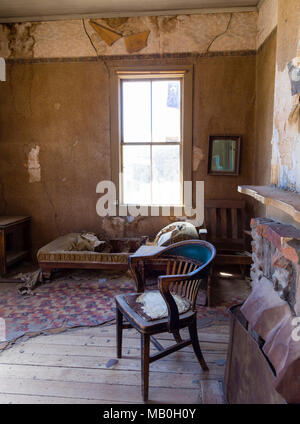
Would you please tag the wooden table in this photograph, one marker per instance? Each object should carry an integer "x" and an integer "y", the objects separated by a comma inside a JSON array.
[
  {"x": 15, "y": 240},
  {"x": 147, "y": 250}
]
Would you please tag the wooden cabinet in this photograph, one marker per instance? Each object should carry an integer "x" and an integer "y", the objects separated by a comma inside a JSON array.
[
  {"x": 249, "y": 376},
  {"x": 15, "y": 240}
]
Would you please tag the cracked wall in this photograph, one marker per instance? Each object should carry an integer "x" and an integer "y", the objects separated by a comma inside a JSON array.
[
  {"x": 57, "y": 107},
  {"x": 174, "y": 34},
  {"x": 17, "y": 40},
  {"x": 55, "y": 123},
  {"x": 277, "y": 135},
  {"x": 286, "y": 140},
  {"x": 63, "y": 107}
]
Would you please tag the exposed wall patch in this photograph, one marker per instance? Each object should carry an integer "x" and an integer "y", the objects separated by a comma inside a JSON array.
[
  {"x": 33, "y": 165},
  {"x": 197, "y": 157},
  {"x": 136, "y": 42},
  {"x": 168, "y": 35},
  {"x": 21, "y": 40},
  {"x": 107, "y": 35}
]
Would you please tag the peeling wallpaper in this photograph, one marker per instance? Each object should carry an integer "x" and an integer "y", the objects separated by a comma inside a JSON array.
[
  {"x": 55, "y": 127},
  {"x": 55, "y": 139},
  {"x": 48, "y": 108},
  {"x": 278, "y": 136},
  {"x": 286, "y": 135},
  {"x": 176, "y": 34}
]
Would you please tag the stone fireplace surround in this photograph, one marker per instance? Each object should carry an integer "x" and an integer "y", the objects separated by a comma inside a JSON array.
[
  {"x": 276, "y": 256},
  {"x": 274, "y": 303}
]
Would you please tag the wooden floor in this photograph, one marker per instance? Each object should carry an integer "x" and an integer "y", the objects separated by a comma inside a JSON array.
[{"x": 74, "y": 367}]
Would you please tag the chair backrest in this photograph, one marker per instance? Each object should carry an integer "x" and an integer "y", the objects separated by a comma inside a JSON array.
[
  {"x": 185, "y": 288},
  {"x": 191, "y": 259},
  {"x": 225, "y": 221}
]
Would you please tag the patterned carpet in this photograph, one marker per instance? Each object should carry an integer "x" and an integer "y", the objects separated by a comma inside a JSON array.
[{"x": 78, "y": 299}]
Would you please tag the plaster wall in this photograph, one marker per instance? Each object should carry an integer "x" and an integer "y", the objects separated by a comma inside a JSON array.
[
  {"x": 286, "y": 137},
  {"x": 277, "y": 128},
  {"x": 174, "y": 34},
  {"x": 266, "y": 20},
  {"x": 55, "y": 111},
  {"x": 264, "y": 110},
  {"x": 54, "y": 121}
]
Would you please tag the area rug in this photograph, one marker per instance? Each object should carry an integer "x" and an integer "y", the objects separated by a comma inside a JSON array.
[
  {"x": 82, "y": 299},
  {"x": 78, "y": 299}
]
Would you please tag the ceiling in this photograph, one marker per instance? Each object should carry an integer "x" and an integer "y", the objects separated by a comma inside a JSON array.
[{"x": 30, "y": 10}]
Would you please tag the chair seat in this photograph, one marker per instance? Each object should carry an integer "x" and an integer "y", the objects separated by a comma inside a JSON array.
[
  {"x": 151, "y": 305},
  {"x": 140, "y": 322}
]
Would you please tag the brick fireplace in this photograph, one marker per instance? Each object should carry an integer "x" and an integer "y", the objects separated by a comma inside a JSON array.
[
  {"x": 264, "y": 353},
  {"x": 276, "y": 257},
  {"x": 272, "y": 308}
]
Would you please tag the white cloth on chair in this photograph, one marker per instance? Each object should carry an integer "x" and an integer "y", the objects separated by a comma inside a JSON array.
[{"x": 155, "y": 307}]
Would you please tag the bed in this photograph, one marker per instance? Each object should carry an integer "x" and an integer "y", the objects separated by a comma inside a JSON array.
[{"x": 58, "y": 254}]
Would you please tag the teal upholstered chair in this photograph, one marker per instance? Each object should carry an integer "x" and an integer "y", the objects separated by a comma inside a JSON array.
[{"x": 173, "y": 306}]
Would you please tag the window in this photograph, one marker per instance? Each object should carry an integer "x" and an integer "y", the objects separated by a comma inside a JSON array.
[{"x": 151, "y": 135}]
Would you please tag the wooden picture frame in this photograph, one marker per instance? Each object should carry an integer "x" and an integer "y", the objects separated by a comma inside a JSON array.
[{"x": 224, "y": 155}]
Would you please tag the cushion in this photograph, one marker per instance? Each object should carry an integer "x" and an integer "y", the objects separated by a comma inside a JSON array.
[
  {"x": 175, "y": 232},
  {"x": 86, "y": 241},
  {"x": 151, "y": 305}
]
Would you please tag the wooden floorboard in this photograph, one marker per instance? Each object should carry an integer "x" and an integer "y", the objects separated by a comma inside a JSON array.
[
  {"x": 157, "y": 379},
  {"x": 110, "y": 340},
  {"x": 73, "y": 367},
  {"x": 94, "y": 391},
  {"x": 110, "y": 352},
  {"x": 29, "y": 399},
  {"x": 129, "y": 345},
  {"x": 132, "y": 364}
]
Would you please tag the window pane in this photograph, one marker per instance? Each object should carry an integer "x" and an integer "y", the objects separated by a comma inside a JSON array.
[
  {"x": 166, "y": 111},
  {"x": 136, "y": 175},
  {"x": 136, "y": 99},
  {"x": 166, "y": 187}
]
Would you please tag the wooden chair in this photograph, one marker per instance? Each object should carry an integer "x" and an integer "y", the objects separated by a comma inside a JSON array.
[
  {"x": 187, "y": 264},
  {"x": 226, "y": 224}
]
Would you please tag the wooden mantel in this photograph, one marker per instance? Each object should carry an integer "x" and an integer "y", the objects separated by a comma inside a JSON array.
[{"x": 286, "y": 201}]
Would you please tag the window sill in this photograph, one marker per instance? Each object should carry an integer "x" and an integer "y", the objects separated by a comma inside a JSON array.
[
  {"x": 159, "y": 209},
  {"x": 151, "y": 206}
]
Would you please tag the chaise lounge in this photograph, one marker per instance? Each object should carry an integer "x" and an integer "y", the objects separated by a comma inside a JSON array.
[{"x": 59, "y": 254}]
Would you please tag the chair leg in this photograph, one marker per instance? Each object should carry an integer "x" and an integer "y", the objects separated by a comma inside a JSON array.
[
  {"x": 177, "y": 336},
  {"x": 119, "y": 328},
  {"x": 145, "y": 348},
  {"x": 196, "y": 345}
]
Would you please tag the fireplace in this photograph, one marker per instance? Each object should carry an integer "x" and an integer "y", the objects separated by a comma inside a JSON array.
[
  {"x": 276, "y": 257},
  {"x": 264, "y": 349}
]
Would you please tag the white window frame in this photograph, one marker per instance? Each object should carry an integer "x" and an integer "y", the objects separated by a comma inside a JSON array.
[{"x": 182, "y": 72}]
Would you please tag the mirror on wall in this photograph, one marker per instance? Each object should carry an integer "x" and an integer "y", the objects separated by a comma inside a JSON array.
[{"x": 224, "y": 155}]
